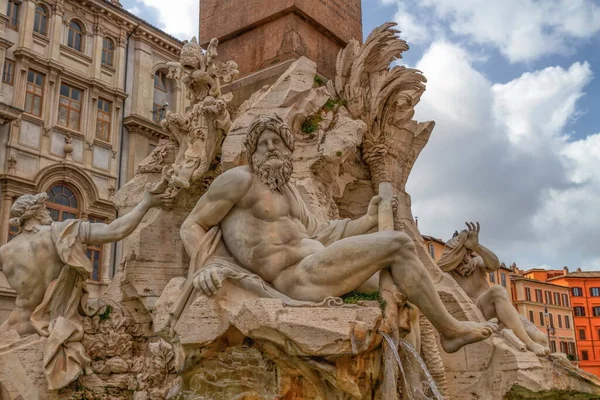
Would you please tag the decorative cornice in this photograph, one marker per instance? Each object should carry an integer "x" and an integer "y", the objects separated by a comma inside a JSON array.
[
  {"x": 9, "y": 113},
  {"x": 128, "y": 21},
  {"x": 139, "y": 125},
  {"x": 5, "y": 43}
]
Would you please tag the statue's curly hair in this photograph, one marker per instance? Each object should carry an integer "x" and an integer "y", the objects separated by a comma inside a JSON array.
[
  {"x": 26, "y": 207},
  {"x": 267, "y": 122}
]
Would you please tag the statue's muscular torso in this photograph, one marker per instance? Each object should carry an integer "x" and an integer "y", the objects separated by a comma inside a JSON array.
[
  {"x": 263, "y": 229},
  {"x": 30, "y": 263}
]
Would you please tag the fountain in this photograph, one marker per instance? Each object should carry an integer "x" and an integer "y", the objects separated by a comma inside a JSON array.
[{"x": 189, "y": 316}]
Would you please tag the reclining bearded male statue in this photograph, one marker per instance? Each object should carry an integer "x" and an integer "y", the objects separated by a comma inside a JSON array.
[
  {"x": 469, "y": 263},
  {"x": 252, "y": 226},
  {"x": 47, "y": 267}
]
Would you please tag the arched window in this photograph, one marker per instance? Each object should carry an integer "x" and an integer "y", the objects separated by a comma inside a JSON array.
[
  {"x": 75, "y": 39},
  {"x": 160, "y": 80},
  {"x": 108, "y": 51},
  {"x": 62, "y": 203},
  {"x": 40, "y": 25},
  {"x": 163, "y": 95}
]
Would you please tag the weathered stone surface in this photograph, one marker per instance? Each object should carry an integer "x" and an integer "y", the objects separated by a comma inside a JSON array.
[
  {"x": 21, "y": 368},
  {"x": 258, "y": 37},
  {"x": 313, "y": 331}
]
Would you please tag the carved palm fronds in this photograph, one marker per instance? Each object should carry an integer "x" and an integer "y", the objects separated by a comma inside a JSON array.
[{"x": 382, "y": 95}]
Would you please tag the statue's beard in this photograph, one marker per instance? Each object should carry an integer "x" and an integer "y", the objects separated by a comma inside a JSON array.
[{"x": 274, "y": 172}]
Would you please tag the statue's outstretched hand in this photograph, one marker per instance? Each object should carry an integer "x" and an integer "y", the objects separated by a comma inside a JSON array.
[
  {"x": 210, "y": 279},
  {"x": 472, "y": 235},
  {"x": 161, "y": 198}
]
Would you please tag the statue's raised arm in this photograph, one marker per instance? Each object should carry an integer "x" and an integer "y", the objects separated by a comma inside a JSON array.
[{"x": 46, "y": 266}]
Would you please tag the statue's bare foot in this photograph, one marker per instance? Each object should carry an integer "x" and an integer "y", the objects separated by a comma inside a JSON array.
[
  {"x": 468, "y": 332},
  {"x": 538, "y": 349}
]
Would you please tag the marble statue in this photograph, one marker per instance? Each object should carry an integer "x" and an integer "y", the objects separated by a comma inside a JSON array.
[
  {"x": 469, "y": 262},
  {"x": 267, "y": 228},
  {"x": 45, "y": 263},
  {"x": 199, "y": 131}
]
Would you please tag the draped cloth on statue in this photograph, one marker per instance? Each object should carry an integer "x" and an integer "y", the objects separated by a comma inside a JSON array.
[
  {"x": 455, "y": 253},
  {"x": 211, "y": 251},
  {"x": 59, "y": 316}
]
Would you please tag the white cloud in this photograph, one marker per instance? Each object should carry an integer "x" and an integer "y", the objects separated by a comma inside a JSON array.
[
  {"x": 499, "y": 155},
  {"x": 536, "y": 106},
  {"x": 176, "y": 17},
  {"x": 412, "y": 31},
  {"x": 523, "y": 30}
]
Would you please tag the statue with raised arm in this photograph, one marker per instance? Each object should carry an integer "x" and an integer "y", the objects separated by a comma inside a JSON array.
[
  {"x": 469, "y": 263},
  {"x": 45, "y": 263},
  {"x": 252, "y": 226}
]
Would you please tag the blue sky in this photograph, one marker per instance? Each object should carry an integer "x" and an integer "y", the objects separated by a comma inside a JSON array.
[{"x": 513, "y": 87}]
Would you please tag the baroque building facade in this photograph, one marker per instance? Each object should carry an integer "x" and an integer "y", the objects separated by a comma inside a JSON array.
[{"x": 83, "y": 88}]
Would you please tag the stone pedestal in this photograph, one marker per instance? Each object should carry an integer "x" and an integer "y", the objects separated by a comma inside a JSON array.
[{"x": 263, "y": 37}]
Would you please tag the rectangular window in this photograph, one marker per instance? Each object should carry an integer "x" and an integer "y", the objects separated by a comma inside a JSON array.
[
  {"x": 551, "y": 320},
  {"x": 94, "y": 253},
  {"x": 579, "y": 311},
  {"x": 103, "y": 120},
  {"x": 584, "y": 355},
  {"x": 581, "y": 334},
  {"x": 557, "y": 298},
  {"x": 553, "y": 346},
  {"x": 596, "y": 311},
  {"x": 34, "y": 93},
  {"x": 571, "y": 348},
  {"x": 542, "y": 319},
  {"x": 548, "y": 296},
  {"x": 538, "y": 296},
  {"x": 69, "y": 108},
  {"x": 567, "y": 322},
  {"x": 576, "y": 292},
  {"x": 531, "y": 316},
  {"x": 503, "y": 279},
  {"x": 13, "y": 14},
  {"x": 492, "y": 277},
  {"x": 563, "y": 347},
  {"x": 8, "y": 76},
  {"x": 595, "y": 292},
  {"x": 559, "y": 317},
  {"x": 565, "y": 300},
  {"x": 432, "y": 250},
  {"x": 527, "y": 294}
]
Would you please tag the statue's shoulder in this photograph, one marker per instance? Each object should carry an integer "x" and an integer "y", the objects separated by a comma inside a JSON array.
[
  {"x": 238, "y": 179},
  {"x": 24, "y": 241}
]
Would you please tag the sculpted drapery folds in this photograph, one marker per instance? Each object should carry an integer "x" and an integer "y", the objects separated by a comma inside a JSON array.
[
  {"x": 469, "y": 263},
  {"x": 46, "y": 265},
  {"x": 252, "y": 225}
]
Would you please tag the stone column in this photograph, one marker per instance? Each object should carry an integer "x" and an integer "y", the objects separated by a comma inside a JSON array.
[
  {"x": 56, "y": 36},
  {"x": 26, "y": 24},
  {"x": 121, "y": 61},
  {"x": 5, "y": 217},
  {"x": 97, "y": 50}
]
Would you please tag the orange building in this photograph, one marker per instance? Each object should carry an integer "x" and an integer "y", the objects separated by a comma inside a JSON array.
[
  {"x": 585, "y": 298},
  {"x": 435, "y": 247},
  {"x": 547, "y": 305}
]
